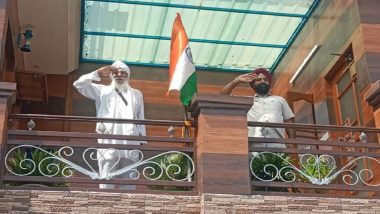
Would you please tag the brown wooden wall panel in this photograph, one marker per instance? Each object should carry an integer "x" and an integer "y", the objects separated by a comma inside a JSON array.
[
  {"x": 320, "y": 91},
  {"x": 334, "y": 37},
  {"x": 369, "y": 11},
  {"x": 377, "y": 118},
  {"x": 233, "y": 175},
  {"x": 330, "y": 23},
  {"x": 222, "y": 147},
  {"x": 83, "y": 107},
  {"x": 42, "y": 125},
  {"x": 56, "y": 105},
  {"x": 356, "y": 41},
  {"x": 14, "y": 22},
  {"x": 155, "y": 92},
  {"x": 371, "y": 39},
  {"x": 56, "y": 85},
  {"x": 213, "y": 139},
  {"x": 335, "y": 25},
  {"x": 367, "y": 109},
  {"x": 3, "y": 36},
  {"x": 373, "y": 60}
]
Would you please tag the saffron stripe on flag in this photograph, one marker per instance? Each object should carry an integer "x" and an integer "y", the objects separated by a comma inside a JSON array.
[{"x": 182, "y": 69}]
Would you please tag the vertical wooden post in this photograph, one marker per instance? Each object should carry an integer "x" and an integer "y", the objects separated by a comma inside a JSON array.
[
  {"x": 7, "y": 98},
  {"x": 3, "y": 34},
  {"x": 222, "y": 144},
  {"x": 372, "y": 96}
]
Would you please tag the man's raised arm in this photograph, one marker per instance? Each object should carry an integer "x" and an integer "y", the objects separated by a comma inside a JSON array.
[
  {"x": 245, "y": 78},
  {"x": 85, "y": 86}
]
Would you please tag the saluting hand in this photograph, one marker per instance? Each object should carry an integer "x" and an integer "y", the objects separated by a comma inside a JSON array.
[
  {"x": 104, "y": 71},
  {"x": 246, "y": 77}
]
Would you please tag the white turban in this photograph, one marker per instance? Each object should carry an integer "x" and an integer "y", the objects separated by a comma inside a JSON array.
[{"x": 121, "y": 65}]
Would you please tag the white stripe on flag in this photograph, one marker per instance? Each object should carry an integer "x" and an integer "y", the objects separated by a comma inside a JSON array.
[{"x": 183, "y": 70}]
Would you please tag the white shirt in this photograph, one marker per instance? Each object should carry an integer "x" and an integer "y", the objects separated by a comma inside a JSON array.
[
  {"x": 110, "y": 105},
  {"x": 269, "y": 108}
]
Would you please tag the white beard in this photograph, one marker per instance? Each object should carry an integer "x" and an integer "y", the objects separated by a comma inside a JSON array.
[{"x": 124, "y": 87}]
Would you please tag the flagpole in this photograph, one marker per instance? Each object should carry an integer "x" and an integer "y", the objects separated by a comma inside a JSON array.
[
  {"x": 182, "y": 76},
  {"x": 187, "y": 134},
  {"x": 186, "y": 117},
  {"x": 186, "y": 130}
]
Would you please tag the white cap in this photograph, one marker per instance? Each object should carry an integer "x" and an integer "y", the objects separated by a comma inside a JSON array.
[{"x": 123, "y": 66}]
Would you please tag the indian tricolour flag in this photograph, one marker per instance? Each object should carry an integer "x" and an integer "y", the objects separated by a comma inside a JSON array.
[{"x": 182, "y": 70}]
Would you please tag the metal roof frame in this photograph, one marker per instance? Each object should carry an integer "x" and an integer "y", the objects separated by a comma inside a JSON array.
[{"x": 284, "y": 47}]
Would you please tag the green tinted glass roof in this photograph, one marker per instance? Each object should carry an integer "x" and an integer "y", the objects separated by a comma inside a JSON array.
[{"x": 227, "y": 35}]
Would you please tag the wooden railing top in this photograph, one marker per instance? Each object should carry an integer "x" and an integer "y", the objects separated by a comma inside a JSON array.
[
  {"x": 301, "y": 126},
  {"x": 97, "y": 136},
  {"x": 96, "y": 119}
]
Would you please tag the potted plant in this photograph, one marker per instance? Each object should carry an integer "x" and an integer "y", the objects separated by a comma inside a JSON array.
[
  {"x": 173, "y": 167},
  {"x": 35, "y": 162},
  {"x": 271, "y": 167}
]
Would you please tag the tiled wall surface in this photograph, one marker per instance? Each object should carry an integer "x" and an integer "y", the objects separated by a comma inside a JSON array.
[{"x": 12, "y": 201}]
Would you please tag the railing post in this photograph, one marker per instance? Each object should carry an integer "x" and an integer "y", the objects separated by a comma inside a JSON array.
[
  {"x": 222, "y": 144},
  {"x": 7, "y": 98}
]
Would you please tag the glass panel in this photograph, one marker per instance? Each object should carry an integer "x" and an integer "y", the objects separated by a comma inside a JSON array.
[
  {"x": 344, "y": 81},
  {"x": 123, "y": 21},
  {"x": 128, "y": 49},
  {"x": 157, "y": 51},
  {"x": 202, "y": 24},
  {"x": 346, "y": 106}
]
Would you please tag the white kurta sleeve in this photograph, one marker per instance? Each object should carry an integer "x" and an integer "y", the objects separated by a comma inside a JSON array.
[
  {"x": 140, "y": 115},
  {"x": 85, "y": 86}
]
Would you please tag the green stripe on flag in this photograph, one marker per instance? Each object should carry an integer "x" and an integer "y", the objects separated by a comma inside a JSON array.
[{"x": 189, "y": 89}]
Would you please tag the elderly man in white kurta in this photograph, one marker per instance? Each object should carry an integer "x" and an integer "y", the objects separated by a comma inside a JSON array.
[
  {"x": 265, "y": 108},
  {"x": 120, "y": 101}
]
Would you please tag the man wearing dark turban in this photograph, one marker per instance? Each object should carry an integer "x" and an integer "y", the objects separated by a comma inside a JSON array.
[{"x": 266, "y": 107}]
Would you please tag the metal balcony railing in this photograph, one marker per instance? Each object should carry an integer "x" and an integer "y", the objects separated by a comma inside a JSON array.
[
  {"x": 330, "y": 161},
  {"x": 334, "y": 161},
  {"x": 67, "y": 160}
]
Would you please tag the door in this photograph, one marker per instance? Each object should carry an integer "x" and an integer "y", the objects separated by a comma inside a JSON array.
[{"x": 346, "y": 97}]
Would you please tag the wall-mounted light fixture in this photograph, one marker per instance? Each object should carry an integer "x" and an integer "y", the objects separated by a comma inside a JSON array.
[
  {"x": 304, "y": 63},
  {"x": 348, "y": 58},
  {"x": 23, "y": 41}
]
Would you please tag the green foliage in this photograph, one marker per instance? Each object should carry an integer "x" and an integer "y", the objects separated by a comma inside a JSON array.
[
  {"x": 320, "y": 171},
  {"x": 19, "y": 164},
  {"x": 271, "y": 163},
  {"x": 266, "y": 166},
  {"x": 171, "y": 164}
]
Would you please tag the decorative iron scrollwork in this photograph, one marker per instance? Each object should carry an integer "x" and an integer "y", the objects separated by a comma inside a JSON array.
[
  {"x": 316, "y": 169},
  {"x": 149, "y": 166}
]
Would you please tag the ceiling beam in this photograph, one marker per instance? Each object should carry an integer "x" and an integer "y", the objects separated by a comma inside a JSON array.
[
  {"x": 210, "y": 41},
  {"x": 165, "y": 65}
]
